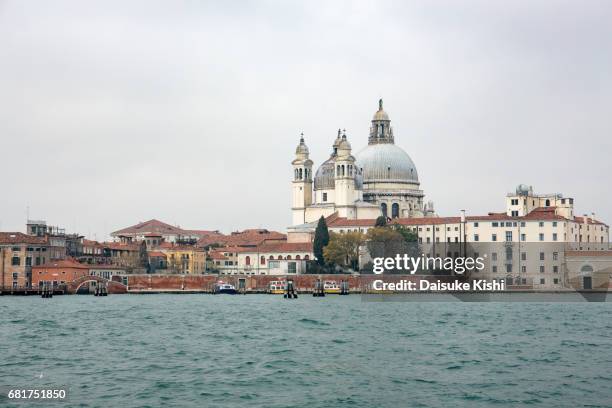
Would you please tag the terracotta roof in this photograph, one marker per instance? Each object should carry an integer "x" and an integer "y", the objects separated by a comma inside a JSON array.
[
  {"x": 589, "y": 221},
  {"x": 156, "y": 254},
  {"x": 249, "y": 237},
  {"x": 285, "y": 247},
  {"x": 203, "y": 233},
  {"x": 20, "y": 238},
  {"x": 342, "y": 222},
  {"x": 151, "y": 226},
  {"x": 87, "y": 242},
  {"x": 544, "y": 215},
  {"x": 121, "y": 246},
  {"x": 174, "y": 247},
  {"x": 216, "y": 255},
  {"x": 271, "y": 247},
  {"x": 63, "y": 263}
]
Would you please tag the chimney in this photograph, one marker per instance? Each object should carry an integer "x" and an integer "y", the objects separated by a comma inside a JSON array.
[
  {"x": 585, "y": 219},
  {"x": 593, "y": 217}
]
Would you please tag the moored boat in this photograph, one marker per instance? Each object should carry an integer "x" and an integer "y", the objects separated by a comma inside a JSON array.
[
  {"x": 331, "y": 287},
  {"x": 223, "y": 287},
  {"x": 278, "y": 287}
]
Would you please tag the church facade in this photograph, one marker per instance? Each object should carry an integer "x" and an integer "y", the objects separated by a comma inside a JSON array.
[{"x": 381, "y": 179}]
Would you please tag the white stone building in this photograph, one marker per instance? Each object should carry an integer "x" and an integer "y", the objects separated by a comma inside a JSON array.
[{"x": 527, "y": 249}]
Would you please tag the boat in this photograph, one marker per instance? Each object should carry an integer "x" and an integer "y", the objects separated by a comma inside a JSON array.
[
  {"x": 277, "y": 287},
  {"x": 222, "y": 287},
  {"x": 331, "y": 287}
]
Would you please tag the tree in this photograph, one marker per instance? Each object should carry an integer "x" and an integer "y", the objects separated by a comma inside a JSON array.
[
  {"x": 143, "y": 256},
  {"x": 321, "y": 239},
  {"x": 384, "y": 242},
  {"x": 343, "y": 249},
  {"x": 382, "y": 234},
  {"x": 408, "y": 235},
  {"x": 381, "y": 221}
]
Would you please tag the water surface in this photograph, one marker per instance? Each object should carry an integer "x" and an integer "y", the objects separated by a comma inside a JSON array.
[{"x": 265, "y": 351}]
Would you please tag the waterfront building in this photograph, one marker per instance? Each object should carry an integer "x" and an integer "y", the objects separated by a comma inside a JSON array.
[
  {"x": 381, "y": 179},
  {"x": 246, "y": 238},
  {"x": 589, "y": 269},
  {"x": 268, "y": 258},
  {"x": 525, "y": 245},
  {"x": 63, "y": 271},
  {"x": 18, "y": 254},
  {"x": 61, "y": 244},
  {"x": 92, "y": 252},
  {"x": 158, "y": 262},
  {"x": 157, "y": 230},
  {"x": 185, "y": 259},
  {"x": 122, "y": 254}
]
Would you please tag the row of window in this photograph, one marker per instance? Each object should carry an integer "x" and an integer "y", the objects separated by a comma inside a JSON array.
[
  {"x": 555, "y": 255},
  {"x": 541, "y": 237},
  {"x": 509, "y": 269},
  {"x": 16, "y": 261},
  {"x": 394, "y": 210},
  {"x": 262, "y": 260}
]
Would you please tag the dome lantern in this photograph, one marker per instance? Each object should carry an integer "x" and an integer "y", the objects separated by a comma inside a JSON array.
[{"x": 381, "y": 131}]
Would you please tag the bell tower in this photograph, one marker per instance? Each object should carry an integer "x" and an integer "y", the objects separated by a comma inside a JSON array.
[
  {"x": 302, "y": 182},
  {"x": 345, "y": 174}
]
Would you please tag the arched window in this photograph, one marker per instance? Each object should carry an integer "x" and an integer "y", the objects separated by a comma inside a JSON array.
[
  {"x": 548, "y": 203},
  {"x": 288, "y": 257},
  {"x": 271, "y": 257},
  {"x": 280, "y": 257},
  {"x": 297, "y": 257},
  {"x": 262, "y": 260},
  {"x": 306, "y": 257},
  {"x": 395, "y": 210},
  {"x": 383, "y": 208},
  {"x": 247, "y": 260},
  {"x": 296, "y": 174}
]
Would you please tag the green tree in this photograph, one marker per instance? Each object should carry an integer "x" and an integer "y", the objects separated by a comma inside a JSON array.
[
  {"x": 408, "y": 235},
  {"x": 343, "y": 249},
  {"x": 143, "y": 256},
  {"x": 382, "y": 234},
  {"x": 381, "y": 221},
  {"x": 321, "y": 239}
]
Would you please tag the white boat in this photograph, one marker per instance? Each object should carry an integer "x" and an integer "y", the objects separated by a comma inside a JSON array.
[
  {"x": 277, "y": 287},
  {"x": 331, "y": 287},
  {"x": 223, "y": 287}
]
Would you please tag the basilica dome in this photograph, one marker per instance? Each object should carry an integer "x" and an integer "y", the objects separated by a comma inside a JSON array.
[
  {"x": 386, "y": 162},
  {"x": 325, "y": 176}
]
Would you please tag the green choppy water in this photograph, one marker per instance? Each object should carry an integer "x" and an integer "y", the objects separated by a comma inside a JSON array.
[{"x": 265, "y": 351}]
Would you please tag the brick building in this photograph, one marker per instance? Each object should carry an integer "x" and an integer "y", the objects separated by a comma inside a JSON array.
[{"x": 18, "y": 254}]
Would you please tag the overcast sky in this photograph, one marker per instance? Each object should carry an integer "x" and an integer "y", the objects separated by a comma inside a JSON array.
[{"x": 113, "y": 113}]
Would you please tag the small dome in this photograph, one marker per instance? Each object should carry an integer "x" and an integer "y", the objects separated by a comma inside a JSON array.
[
  {"x": 380, "y": 113},
  {"x": 301, "y": 148},
  {"x": 386, "y": 162},
  {"x": 324, "y": 177},
  {"x": 344, "y": 144}
]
